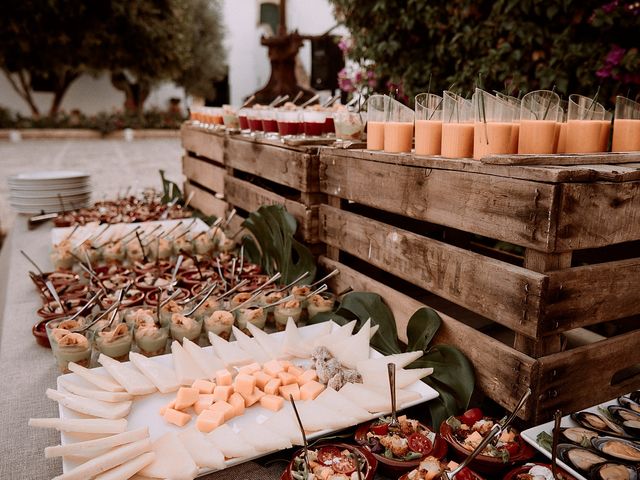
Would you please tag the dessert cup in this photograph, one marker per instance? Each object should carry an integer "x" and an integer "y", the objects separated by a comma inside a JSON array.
[
  {"x": 626, "y": 126},
  {"x": 428, "y": 124},
  {"x": 457, "y": 126},
  {"x": 540, "y": 113}
]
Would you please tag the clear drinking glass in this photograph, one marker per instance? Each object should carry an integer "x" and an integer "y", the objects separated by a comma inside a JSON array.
[
  {"x": 349, "y": 125},
  {"x": 314, "y": 121},
  {"x": 457, "y": 126},
  {"x": 493, "y": 122},
  {"x": 428, "y": 124},
  {"x": 398, "y": 129},
  {"x": 376, "y": 108},
  {"x": 584, "y": 124},
  {"x": 539, "y": 115},
  {"x": 626, "y": 126}
]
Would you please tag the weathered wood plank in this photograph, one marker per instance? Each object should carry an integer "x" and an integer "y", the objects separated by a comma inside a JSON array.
[
  {"x": 505, "y": 293},
  {"x": 203, "y": 143},
  {"x": 592, "y": 294},
  {"x": 597, "y": 214},
  {"x": 564, "y": 159},
  {"x": 501, "y": 372},
  {"x": 511, "y": 210},
  {"x": 206, "y": 174},
  {"x": 582, "y": 377},
  {"x": 205, "y": 201},
  {"x": 249, "y": 197},
  {"x": 285, "y": 166}
]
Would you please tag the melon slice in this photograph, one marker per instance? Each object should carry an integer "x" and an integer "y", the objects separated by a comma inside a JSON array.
[
  {"x": 353, "y": 349},
  {"x": 404, "y": 378},
  {"x": 129, "y": 468},
  {"x": 187, "y": 371},
  {"x": 230, "y": 353},
  {"x": 269, "y": 343},
  {"x": 93, "y": 448},
  {"x": 164, "y": 378},
  {"x": 316, "y": 416},
  {"x": 401, "y": 360},
  {"x": 264, "y": 439},
  {"x": 337, "y": 334},
  {"x": 131, "y": 379},
  {"x": 113, "y": 397},
  {"x": 104, "y": 382},
  {"x": 370, "y": 400},
  {"x": 230, "y": 443},
  {"x": 172, "y": 460},
  {"x": 293, "y": 343},
  {"x": 88, "y": 406},
  {"x": 202, "y": 451},
  {"x": 206, "y": 360},
  {"x": 250, "y": 346},
  {"x": 340, "y": 403},
  {"x": 403, "y": 396},
  {"x": 285, "y": 423}
]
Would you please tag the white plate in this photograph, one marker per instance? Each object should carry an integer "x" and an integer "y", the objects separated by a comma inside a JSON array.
[
  {"x": 530, "y": 436},
  {"x": 68, "y": 202},
  {"x": 47, "y": 176},
  {"x": 47, "y": 194},
  {"x": 144, "y": 411},
  {"x": 48, "y": 187},
  {"x": 46, "y": 209}
]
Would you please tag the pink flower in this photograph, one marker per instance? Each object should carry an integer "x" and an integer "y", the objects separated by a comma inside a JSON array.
[
  {"x": 615, "y": 55},
  {"x": 610, "y": 7}
]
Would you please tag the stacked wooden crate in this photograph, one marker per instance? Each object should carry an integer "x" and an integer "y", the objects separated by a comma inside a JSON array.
[{"x": 574, "y": 238}]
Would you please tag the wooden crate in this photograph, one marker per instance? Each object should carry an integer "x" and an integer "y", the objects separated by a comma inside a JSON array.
[{"x": 426, "y": 220}]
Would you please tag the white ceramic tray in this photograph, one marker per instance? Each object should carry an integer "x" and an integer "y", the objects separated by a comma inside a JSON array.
[{"x": 144, "y": 411}]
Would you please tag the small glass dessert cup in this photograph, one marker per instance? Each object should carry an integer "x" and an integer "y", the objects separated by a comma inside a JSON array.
[
  {"x": 185, "y": 327},
  {"x": 255, "y": 119},
  {"x": 398, "y": 129},
  {"x": 284, "y": 311},
  {"x": 540, "y": 113},
  {"x": 168, "y": 310},
  {"x": 183, "y": 245},
  {"x": 300, "y": 293},
  {"x": 314, "y": 121},
  {"x": 62, "y": 324},
  {"x": 252, "y": 314},
  {"x": 584, "y": 124},
  {"x": 70, "y": 347},
  {"x": 269, "y": 122},
  {"x": 289, "y": 122},
  {"x": 113, "y": 252},
  {"x": 239, "y": 299},
  {"x": 626, "y": 126},
  {"x": 320, "y": 303},
  {"x": 151, "y": 339},
  {"x": 202, "y": 243},
  {"x": 116, "y": 342},
  {"x": 457, "y": 126},
  {"x": 493, "y": 125},
  {"x": 230, "y": 118},
  {"x": 376, "y": 107},
  {"x": 219, "y": 323},
  {"x": 349, "y": 126},
  {"x": 205, "y": 310},
  {"x": 428, "y": 124},
  {"x": 137, "y": 316},
  {"x": 62, "y": 257},
  {"x": 244, "y": 120}
]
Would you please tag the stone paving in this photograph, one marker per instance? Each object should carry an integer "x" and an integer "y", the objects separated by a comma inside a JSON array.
[{"x": 113, "y": 164}]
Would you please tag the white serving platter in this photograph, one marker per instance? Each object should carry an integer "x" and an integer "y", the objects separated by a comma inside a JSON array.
[
  {"x": 145, "y": 409},
  {"x": 530, "y": 436},
  {"x": 117, "y": 230},
  {"x": 47, "y": 176}
]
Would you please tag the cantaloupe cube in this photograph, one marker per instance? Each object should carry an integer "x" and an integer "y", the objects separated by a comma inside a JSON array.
[
  {"x": 202, "y": 405},
  {"x": 262, "y": 379},
  {"x": 310, "y": 390},
  {"x": 237, "y": 402},
  {"x": 286, "y": 378},
  {"x": 176, "y": 417},
  {"x": 223, "y": 378},
  {"x": 292, "y": 389},
  {"x": 273, "y": 367},
  {"x": 224, "y": 407},
  {"x": 295, "y": 371},
  {"x": 186, "y": 397},
  {"x": 286, "y": 364},
  {"x": 272, "y": 387},
  {"x": 251, "y": 368},
  {"x": 222, "y": 392},
  {"x": 307, "y": 376},
  {"x": 272, "y": 402},
  {"x": 244, "y": 384},
  {"x": 253, "y": 397},
  {"x": 209, "y": 420},
  {"x": 171, "y": 404},
  {"x": 203, "y": 386},
  {"x": 207, "y": 396}
]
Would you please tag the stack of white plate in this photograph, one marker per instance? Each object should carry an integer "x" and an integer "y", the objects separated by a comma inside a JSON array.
[{"x": 49, "y": 191}]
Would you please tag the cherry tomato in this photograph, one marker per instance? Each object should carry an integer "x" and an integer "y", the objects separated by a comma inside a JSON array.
[
  {"x": 465, "y": 474},
  {"x": 380, "y": 428},
  {"x": 471, "y": 416},
  {"x": 419, "y": 443},
  {"x": 327, "y": 454},
  {"x": 344, "y": 465},
  {"x": 512, "y": 448}
]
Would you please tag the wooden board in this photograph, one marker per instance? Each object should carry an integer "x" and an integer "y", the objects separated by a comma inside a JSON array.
[
  {"x": 597, "y": 215},
  {"x": 511, "y": 210},
  {"x": 202, "y": 142},
  {"x": 565, "y": 159},
  {"x": 280, "y": 164},
  {"x": 502, "y": 373},
  {"x": 204, "y": 173},
  {"x": 505, "y": 293},
  {"x": 205, "y": 201},
  {"x": 249, "y": 197}
]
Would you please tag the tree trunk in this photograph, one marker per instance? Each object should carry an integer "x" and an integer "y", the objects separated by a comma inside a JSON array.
[
  {"x": 64, "y": 82},
  {"x": 23, "y": 90},
  {"x": 135, "y": 93}
]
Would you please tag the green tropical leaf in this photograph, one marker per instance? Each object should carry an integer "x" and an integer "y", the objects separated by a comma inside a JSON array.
[
  {"x": 169, "y": 194},
  {"x": 422, "y": 327}
]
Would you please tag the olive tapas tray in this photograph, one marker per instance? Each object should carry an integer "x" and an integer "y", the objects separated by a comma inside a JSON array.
[
  {"x": 531, "y": 435},
  {"x": 144, "y": 410}
]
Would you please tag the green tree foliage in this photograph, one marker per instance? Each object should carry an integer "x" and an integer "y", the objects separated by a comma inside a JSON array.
[{"x": 514, "y": 44}]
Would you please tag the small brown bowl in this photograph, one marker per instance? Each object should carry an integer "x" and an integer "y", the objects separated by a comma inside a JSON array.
[
  {"x": 460, "y": 476},
  {"x": 393, "y": 467},
  {"x": 142, "y": 268},
  {"x": 371, "y": 461},
  {"x": 512, "y": 474},
  {"x": 151, "y": 297},
  {"x": 484, "y": 463},
  {"x": 40, "y": 332},
  {"x": 48, "y": 310}
]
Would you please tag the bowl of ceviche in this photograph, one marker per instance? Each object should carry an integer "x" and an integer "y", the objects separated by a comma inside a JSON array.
[
  {"x": 398, "y": 450},
  {"x": 535, "y": 470},
  {"x": 464, "y": 434},
  {"x": 430, "y": 468},
  {"x": 338, "y": 461}
]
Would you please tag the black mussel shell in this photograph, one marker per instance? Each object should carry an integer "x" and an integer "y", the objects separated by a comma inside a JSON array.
[
  {"x": 632, "y": 427},
  {"x": 622, "y": 414},
  {"x": 579, "y": 458},
  {"x": 597, "y": 422},
  {"x": 577, "y": 435},
  {"x": 628, "y": 402},
  {"x": 613, "y": 471},
  {"x": 617, "y": 448}
]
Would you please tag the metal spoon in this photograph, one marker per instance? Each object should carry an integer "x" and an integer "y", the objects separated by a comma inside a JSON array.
[
  {"x": 281, "y": 101},
  {"x": 291, "y": 284},
  {"x": 557, "y": 418},
  {"x": 95, "y": 320},
  {"x": 391, "y": 370},
  {"x": 274, "y": 101},
  {"x": 55, "y": 296},
  {"x": 248, "y": 101},
  {"x": 331, "y": 101},
  {"x": 310, "y": 101},
  {"x": 331, "y": 274},
  {"x": 85, "y": 306},
  {"x": 161, "y": 304},
  {"x": 175, "y": 272},
  {"x": 255, "y": 294},
  {"x": 33, "y": 263},
  {"x": 322, "y": 288},
  {"x": 115, "y": 311},
  {"x": 204, "y": 299},
  {"x": 238, "y": 286},
  {"x": 297, "y": 97}
]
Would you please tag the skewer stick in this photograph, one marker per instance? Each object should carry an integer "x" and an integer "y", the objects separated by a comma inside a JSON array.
[
  {"x": 305, "y": 445},
  {"x": 33, "y": 263},
  {"x": 172, "y": 229},
  {"x": 144, "y": 254},
  {"x": 72, "y": 232}
]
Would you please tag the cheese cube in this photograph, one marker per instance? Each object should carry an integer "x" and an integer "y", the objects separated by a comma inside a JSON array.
[
  {"x": 249, "y": 369},
  {"x": 286, "y": 378},
  {"x": 222, "y": 392},
  {"x": 287, "y": 390},
  {"x": 223, "y": 377},
  {"x": 286, "y": 364},
  {"x": 273, "y": 368},
  {"x": 262, "y": 379},
  {"x": 204, "y": 386},
  {"x": 224, "y": 407},
  {"x": 272, "y": 387},
  {"x": 209, "y": 420},
  {"x": 295, "y": 371},
  {"x": 310, "y": 390},
  {"x": 253, "y": 397},
  {"x": 272, "y": 402},
  {"x": 186, "y": 397},
  {"x": 171, "y": 404},
  {"x": 176, "y": 417},
  {"x": 307, "y": 376},
  {"x": 237, "y": 402},
  {"x": 202, "y": 405},
  {"x": 244, "y": 383}
]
